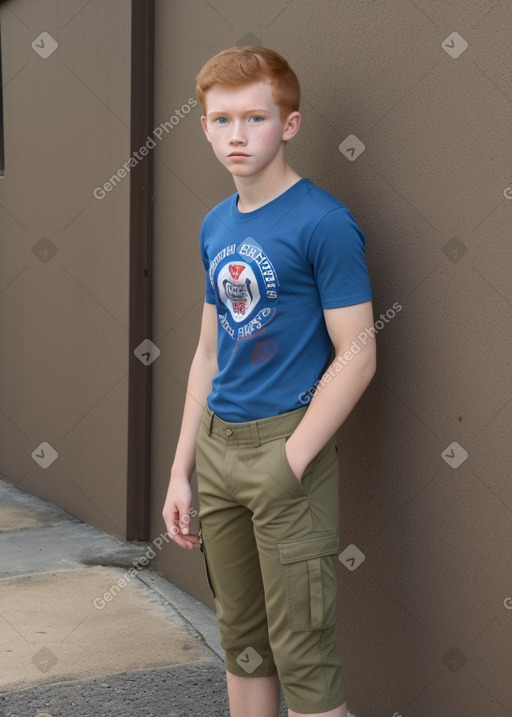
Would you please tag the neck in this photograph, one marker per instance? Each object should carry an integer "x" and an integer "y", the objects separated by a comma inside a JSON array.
[{"x": 255, "y": 192}]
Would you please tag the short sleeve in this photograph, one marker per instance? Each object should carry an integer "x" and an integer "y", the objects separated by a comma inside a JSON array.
[
  {"x": 337, "y": 255},
  {"x": 209, "y": 293}
]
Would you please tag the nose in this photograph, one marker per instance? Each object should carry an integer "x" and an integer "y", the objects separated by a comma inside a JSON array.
[{"x": 237, "y": 133}]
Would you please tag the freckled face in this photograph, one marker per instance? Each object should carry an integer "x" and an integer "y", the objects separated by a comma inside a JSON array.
[{"x": 244, "y": 126}]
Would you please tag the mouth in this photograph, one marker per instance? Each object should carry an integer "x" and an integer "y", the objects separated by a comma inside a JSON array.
[{"x": 238, "y": 154}]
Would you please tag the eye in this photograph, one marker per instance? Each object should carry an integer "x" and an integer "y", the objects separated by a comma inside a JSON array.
[
  {"x": 256, "y": 118},
  {"x": 221, "y": 120}
]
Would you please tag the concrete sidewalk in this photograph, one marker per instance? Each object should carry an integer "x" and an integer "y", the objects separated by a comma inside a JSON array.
[{"x": 149, "y": 650}]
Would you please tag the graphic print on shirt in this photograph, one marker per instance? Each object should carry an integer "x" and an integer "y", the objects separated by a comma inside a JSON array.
[
  {"x": 238, "y": 289},
  {"x": 247, "y": 286}
]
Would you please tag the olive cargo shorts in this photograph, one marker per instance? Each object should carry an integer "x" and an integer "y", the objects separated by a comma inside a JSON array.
[{"x": 269, "y": 542}]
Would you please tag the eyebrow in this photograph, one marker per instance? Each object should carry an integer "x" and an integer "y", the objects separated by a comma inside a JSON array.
[{"x": 262, "y": 110}]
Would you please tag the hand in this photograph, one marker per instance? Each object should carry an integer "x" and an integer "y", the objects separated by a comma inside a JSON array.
[{"x": 176, "y": 513}]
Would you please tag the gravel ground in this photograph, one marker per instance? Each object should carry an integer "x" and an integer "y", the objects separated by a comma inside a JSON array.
[{"x": 185, "y": 691}]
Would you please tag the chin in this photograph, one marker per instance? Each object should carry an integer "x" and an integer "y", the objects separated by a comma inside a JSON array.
[{"x": 242, "y": 171}]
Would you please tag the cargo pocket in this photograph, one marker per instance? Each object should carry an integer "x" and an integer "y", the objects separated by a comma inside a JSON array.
[
  {"x": 310, "y": 579},
  {"x": 205, "y": 561}
]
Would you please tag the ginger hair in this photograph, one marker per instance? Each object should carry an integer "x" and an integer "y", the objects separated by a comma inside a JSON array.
[{"x": 245, "y": 64}]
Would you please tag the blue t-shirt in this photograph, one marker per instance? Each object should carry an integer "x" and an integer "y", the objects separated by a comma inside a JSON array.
[{"x": 271, "y": 272}]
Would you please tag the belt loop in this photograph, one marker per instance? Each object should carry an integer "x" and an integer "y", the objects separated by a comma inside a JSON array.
[
  {"x": 255, "y": 435},
  {"x": 210, "y": 429}
]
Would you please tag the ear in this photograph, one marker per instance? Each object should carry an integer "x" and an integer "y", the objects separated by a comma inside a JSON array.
[
  {"x": 204, "y": 125},
  {"x": 291, "y": 125}
]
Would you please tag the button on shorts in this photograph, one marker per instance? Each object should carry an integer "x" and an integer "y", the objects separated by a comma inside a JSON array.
[{"x": 270, "y": 544}]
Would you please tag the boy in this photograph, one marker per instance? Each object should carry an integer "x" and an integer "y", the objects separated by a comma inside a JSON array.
[{"x": 286, "y": 283}]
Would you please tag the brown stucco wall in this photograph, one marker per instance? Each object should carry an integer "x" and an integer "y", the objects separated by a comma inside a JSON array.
[
  {"x": 424, "y": 625},
  {"x": 65, "y": 255}
]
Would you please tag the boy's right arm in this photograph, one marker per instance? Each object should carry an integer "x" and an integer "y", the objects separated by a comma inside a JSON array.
[{"x": 202, "y": 370}]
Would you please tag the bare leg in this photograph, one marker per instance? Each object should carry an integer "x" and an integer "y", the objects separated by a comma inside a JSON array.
[
  {"x": 253, "y": 696},
  {"x": 340, "y": 711}
]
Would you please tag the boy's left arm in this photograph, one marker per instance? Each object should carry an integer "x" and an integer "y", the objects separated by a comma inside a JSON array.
[{"x": 341, "y": 386}]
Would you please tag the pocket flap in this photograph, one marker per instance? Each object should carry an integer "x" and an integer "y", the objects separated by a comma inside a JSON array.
[{"x": 311, "y": 546}]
